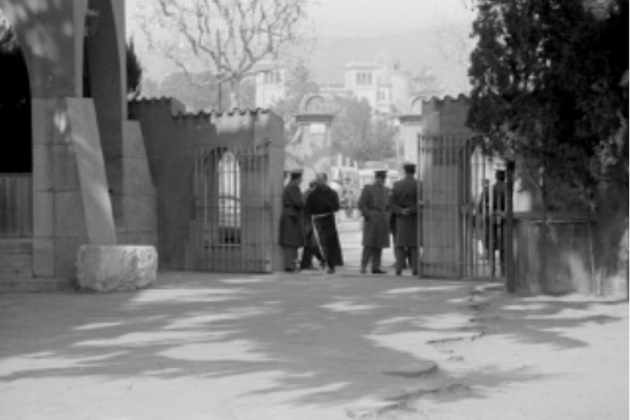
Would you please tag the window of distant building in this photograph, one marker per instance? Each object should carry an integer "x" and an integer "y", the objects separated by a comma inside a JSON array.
[
  {"x": 364, "y": 78},
  {"x": 272, "y": 78}
]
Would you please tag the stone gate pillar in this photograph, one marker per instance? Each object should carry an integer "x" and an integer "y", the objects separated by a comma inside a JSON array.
[
  {"x": 312, "y": 150},
  {"x": 316, "y": 145},
  {"x": 70, "y": 188}
]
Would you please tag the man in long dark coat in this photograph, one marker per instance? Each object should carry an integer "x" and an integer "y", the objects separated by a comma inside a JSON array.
[
  {"x": 291, "y": 221},
  {"x": 404, "y": 205},
  {"x": 374, "y": 206},
  {"x": 322, "y": 204}
]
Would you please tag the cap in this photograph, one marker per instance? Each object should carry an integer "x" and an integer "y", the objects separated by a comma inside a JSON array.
[
  {"x": 409, "y": 167},
  {"x": 296, "y": 173},
  {"x": 380, "y": 173}
]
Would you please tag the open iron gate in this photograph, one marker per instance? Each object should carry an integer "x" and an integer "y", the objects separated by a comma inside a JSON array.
[
  {"x": 463, "y": 230},
  {"x": 233, "y": 208}
]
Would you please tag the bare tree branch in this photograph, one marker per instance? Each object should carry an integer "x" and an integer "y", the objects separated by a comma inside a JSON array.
[{"x": 229, "y": 38}]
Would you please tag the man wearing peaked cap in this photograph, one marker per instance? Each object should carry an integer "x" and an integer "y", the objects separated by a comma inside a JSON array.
[
  {"x": 374, "y": 206},
  {"x": 404, "y": 205},
  {"x": 291, "y": 221}
]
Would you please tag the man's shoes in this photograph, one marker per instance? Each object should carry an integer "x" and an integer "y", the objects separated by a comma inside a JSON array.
[
  {"x": 290, "y": 270},
  {"x": 331, "y": 270},
  {"x": 308, "y": 267},
  {"x": 415, "y": 272},
  {"x": 378, "y": 271},
  {"x": 399, "y": 272},
  {"x": 363, "y": 270}
]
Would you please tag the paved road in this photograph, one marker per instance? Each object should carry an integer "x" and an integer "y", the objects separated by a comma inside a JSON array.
[{"x": 311, "y": 346}]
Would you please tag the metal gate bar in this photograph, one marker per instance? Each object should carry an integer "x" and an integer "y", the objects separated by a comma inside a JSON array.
[
  {"x": 232, "y": 208},
  {"x": 461, "y": 221}
]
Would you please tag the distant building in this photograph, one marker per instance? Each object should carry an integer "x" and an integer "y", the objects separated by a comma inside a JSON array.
[
  {"x": 383, "y": 84},
  {"x": 270, "y": 87}
]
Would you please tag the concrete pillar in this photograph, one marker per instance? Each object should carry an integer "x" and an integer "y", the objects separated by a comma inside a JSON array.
[
  {"x": 316, "y": 144},
  {"x": 71, "y": 202}
]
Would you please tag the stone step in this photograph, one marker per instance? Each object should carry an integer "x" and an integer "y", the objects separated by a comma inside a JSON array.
[
  {"x": 35, "y": 285},
  {"x": 18, "y": 245},
  {"x": 16, "y": 272},
  {"x": 16, "y": 259}
]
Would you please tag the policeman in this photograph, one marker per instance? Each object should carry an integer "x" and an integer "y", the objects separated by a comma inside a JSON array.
[
  {"x": 404, "y": 205},
  {"x": 374, "y": 206},
  {"x": 291, "y": 221}
]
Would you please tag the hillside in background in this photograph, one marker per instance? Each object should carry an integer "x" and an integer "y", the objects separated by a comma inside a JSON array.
[
  {"x": 414, "y": 51},
  {"x": 444, "y": 50}
]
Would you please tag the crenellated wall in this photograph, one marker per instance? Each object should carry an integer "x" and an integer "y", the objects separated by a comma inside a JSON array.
[{"x": 171, "y": 139}]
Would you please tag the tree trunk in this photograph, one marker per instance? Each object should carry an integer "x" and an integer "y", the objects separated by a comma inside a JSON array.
[
  {"x": 544, "y": 228},
  {"x": 235, "y": 93}
]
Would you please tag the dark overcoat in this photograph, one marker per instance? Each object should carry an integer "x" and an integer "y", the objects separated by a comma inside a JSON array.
[
  {"x": 321, "y": 204},
  {"x": 291, "y": 221},
  {"x": 405, "y": 196},
  {"x": 374, "y": 206}
]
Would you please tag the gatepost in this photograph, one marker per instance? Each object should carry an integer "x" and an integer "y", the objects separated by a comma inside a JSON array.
[{"x": 315, "y": 144}]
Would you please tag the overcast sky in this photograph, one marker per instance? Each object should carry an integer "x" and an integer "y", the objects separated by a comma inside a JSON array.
[
  {"x": 345, "y": 18},
  {"x": 364, "y": 18},
  {"x": 361, "y": 18}
]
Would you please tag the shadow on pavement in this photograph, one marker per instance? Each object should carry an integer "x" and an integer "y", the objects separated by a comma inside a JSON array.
[{"x": 321, "y": 340}]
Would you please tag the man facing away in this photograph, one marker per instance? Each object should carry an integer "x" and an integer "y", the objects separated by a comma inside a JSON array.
[
  {"x": 374, "y": 206},
  {"x": 404, "y": 205},
  {"x": 291, "y": 221},
  {"x": 322, "y": 204}
]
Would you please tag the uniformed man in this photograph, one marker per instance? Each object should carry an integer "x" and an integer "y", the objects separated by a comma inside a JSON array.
[
  {"x": 404, "y": 205},
  {"x": 291, "y": 221},
  {"x": 322, "y": 204},
  {"x": 374, "y": 206}
]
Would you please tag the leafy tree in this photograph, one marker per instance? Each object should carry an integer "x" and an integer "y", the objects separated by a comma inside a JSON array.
[
  {"x": 546, "y": 80},
  {"x": 298, "y": 85},
  {"x": 550, "y": 89},
  {"x": 356, "y": 133},
  {"x": 228, "y": 38},
  {"x": 15, "y": 102}
]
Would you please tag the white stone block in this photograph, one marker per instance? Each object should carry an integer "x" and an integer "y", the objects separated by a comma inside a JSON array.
[{"x": 107, "y": 268}]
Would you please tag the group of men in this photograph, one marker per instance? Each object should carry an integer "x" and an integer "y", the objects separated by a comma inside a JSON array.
[{"x": 308, "y": 221}]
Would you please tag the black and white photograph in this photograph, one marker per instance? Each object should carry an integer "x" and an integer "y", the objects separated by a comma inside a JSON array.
[{"x": 314, "y": 210}]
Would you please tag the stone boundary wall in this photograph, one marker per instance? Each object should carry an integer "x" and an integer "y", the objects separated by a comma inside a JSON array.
[{"x": 171, "y": 137}]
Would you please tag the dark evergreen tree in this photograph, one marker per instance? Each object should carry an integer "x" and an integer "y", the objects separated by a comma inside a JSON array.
[
  {"x": 134, "y": 72},
  {"x": 15, "y": 104},
  {"x": 547, "y": 87}
]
